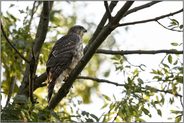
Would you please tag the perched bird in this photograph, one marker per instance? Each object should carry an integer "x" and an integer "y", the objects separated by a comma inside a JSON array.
[{"x": 64, "y": 56}]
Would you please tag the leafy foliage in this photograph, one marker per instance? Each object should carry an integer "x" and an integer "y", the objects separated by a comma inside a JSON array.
[{"x": 138, "y": 95}]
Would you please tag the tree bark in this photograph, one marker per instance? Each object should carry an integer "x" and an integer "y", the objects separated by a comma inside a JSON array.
[
  {"x": 38, "y": 42},
  {"x": 63, "y": 91}
]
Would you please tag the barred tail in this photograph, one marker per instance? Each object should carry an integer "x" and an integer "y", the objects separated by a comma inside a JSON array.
[{"x": 50, "y": 89}]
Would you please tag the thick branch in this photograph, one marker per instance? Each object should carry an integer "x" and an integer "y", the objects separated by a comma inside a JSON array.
[
  {"x": 107, "y": 10},
  {"x": 141, "y": 7},
  {"x": 38, "y": 42},
  {"x": 129, "y": 52},
  {"x": 149, "y": 20},
  {"x": 39, "y": 82},
  {"x": 63, "y": 91},
  {"x": 42, "y": 28},
  {"x": 9, "y": 42}
]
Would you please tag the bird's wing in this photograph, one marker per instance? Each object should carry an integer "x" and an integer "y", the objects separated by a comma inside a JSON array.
[{"x": 60, "y": 58}]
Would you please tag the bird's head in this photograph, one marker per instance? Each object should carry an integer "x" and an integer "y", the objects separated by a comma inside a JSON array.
[{"x": 80, "y": 30}]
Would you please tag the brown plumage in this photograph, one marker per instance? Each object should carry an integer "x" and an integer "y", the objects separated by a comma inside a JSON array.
[{"x": 64, "y": 56}]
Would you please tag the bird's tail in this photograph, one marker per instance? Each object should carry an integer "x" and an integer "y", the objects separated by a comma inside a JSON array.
[{"x": 50, "y": 89}]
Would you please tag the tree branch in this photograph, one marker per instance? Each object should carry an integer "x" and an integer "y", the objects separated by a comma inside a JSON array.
[
  {"x": 129, "y": 52},
  {"x": 39, "y": 82},
  {"x": 100, "y": 80},
  {"x": 121, "y": 13},
  {"x": 42, "y": 78},
  {"x": 42, "y": 28},
  {"x": 117, "y": 84},
  {"x": 149, "y": 20},
  {"x": 141, "y": 7},
  {"x": 164, "y": 91},
  {"x": 167, "y": 27},
  {"x": 107, "y": 10},
  {"x": 63, "y": 91},
  {"x": 33, "y": 10},
  {"x": 10, "y": 90},
  {"x": 38, "y": 42},
  {"x": 9, "y": 42},
  {"x": 32, "y": 13},
  {"x": 32, "y": 76},
  {"x": 101, "y": 24}
]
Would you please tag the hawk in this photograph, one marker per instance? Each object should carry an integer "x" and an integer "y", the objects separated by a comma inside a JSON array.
[{"x": 64, "y": 56}]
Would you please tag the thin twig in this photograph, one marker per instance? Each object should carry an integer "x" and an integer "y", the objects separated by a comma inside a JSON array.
[
  {"x": 32, "y": 13},
  {"x": 118, "y": 107},
  {"x": 141, "y": 7},
  {"x": 115, "y": 116},
  {"x": 107, "y": 10},
  {"x": 100, "y": 80},
  {"x": 139, "y": 66},
  {"x": 33, "y": 10},
  {"x": 167, "y": 27},
  {"x": 164, "y": 91},
  {"x": 149, "y": 20},
  {"x": 9, "y": 42},
  {"x": 129, "y": 52},
  {"x": 115, "y": 83},
  {"x": 181, "y": 101}
]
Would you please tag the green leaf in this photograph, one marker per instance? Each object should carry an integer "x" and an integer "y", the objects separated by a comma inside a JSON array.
[
  {"x": 105, "y": 105},
  {"x": 171, "y": 100},
  {"x": 85, "y": 113},
  {"x": 11, "y": 5},
  {"x": 106, "y": 97},
  {"x": 21, "y": 11},
  {"x": 111, "y": 106},
  {"x": 129, "y": 80},
  {"x": 140, "y": 81},
  {"x": 174, "y": 22},
  {"x": 181, "y": 26},
  {"x": 176, "y": 111},
  {"x": 12, "y": 17},
  {"x": 157, "y": 98},
  {"x": 174, "y": 44},
  {"x": 178, "y": 118},
  {"x": 95, "y": 117},
  {"x": 158, "y": 78},
  {"x": 175, "y": 62},
  {"x": 162, "y": 98},
  {"x": 114, "y": 97},
  {"x": 159, "y": 112},
  {"x": 146, "y": 112},
  {"x": 106, "y": 74},
  {"x": 170, "y": 59},
  {"x": 165, "y": 65}
]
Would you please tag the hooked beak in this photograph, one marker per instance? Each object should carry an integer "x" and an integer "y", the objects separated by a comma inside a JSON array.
[{"x": 85, "y": 30}]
